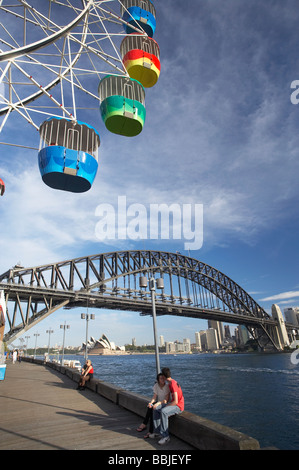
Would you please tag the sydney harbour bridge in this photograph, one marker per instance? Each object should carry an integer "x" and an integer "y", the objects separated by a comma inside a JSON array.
[{"x": 191, "y": 288}]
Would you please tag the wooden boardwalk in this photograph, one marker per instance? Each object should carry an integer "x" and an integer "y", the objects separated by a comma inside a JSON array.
[{"x": 40, "y": 409}]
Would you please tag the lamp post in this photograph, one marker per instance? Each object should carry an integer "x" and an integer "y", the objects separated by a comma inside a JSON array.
[
  {"x": 87, "y": 317},
  {"x": 65, "y": 327},
  {"x": 49, "y": 331},
  {"x": 27, "y": 337},
  {"x": 160, "y": 285},
  {"x": 36, "y": 335}
]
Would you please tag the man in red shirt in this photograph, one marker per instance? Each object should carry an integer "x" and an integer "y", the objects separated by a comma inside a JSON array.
[{"x": 163, "y": 412}]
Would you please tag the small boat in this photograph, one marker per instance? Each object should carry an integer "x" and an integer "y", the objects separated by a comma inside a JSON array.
[{"x": 76, "y": 365}]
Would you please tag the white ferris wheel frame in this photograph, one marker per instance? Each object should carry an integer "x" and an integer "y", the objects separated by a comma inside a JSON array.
[{"x": 21, "y": 59}]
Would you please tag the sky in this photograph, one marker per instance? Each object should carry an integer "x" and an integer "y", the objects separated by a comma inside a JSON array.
[{"x": 221, "y": 132}]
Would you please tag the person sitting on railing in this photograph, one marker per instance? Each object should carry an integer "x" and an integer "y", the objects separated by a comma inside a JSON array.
[
  {"x": 161, "y": 396},
  {"x": 163, "y": 412},
  {"x": 86, "y": 374}
]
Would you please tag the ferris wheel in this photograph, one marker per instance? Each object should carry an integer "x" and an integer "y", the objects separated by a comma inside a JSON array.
[{"x": 58, "y": 57}]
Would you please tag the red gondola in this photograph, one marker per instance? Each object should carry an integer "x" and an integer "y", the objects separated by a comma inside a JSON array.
[
  {"x": 141, "y": 58},
  {"x": 2, "y": 187}
]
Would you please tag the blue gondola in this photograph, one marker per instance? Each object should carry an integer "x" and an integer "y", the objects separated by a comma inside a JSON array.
[
  {"x": 139, "y": 12},
  {"x": 68, "y": 154}
]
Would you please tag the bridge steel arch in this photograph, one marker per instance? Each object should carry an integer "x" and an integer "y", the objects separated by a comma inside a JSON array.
[{"x": 111, "y": 280}]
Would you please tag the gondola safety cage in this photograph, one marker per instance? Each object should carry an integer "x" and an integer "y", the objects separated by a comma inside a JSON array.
[
  {"x": 68, "y": 154},
  {"x": 122, "y": 105}
]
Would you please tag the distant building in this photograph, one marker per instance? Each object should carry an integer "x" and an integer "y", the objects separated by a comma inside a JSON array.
[
  {"x": 187, "y": 345},
  {"x": 170, "y": 347},
  {"x": 242, "y": 335},
  {"x": 292, "y": 315},
  {"x": 218, "y": 326},
  {"x": 178, "y": 347},
  {"x": 212, "y": 339},
  {"x": 203, "y": 340},
  {"x": 198, "y": 341},
  {"x": 227, "y": 333}
]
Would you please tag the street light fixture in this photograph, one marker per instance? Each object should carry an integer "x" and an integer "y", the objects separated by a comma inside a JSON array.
[
  {"x": 87, "y": 317},
  {"x": 65, "y": 327},
  {"x": 152, "y": 285}
]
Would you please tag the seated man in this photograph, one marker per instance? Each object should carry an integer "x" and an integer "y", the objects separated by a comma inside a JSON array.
[{"x": 163, "y": 412}]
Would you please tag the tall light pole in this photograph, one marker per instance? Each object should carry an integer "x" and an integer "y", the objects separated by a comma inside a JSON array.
[
  {"x": 49, "y": 331},
  {"x": 87, "y": 317},
  {"x": 36, "y": 335},
  {"x": 27, "y": 337},
  {"x": 65, "y": 327},
  {"x": 160, "y": 285}
]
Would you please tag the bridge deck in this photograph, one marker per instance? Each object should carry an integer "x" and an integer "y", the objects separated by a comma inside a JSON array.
[{"x": 41, "y": 410}]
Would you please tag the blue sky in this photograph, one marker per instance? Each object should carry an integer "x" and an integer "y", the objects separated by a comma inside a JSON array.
[{"x": 220, "y": 131}]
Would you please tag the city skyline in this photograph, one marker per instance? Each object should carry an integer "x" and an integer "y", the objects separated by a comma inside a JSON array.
[
  {"x": 222, "y": 331},
  {"x": 221, "y": 131}
]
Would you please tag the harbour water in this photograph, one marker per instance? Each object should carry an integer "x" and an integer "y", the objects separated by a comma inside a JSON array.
[{"x": 257, "y": 394}]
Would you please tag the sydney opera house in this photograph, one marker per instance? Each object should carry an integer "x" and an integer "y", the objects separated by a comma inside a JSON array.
[{"x": 102, "y": 346}]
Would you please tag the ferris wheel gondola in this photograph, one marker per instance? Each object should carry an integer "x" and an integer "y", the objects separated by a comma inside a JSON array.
[
  {"x": 139, "y": 12},
  {"x": 2, "y": 187},
  {"x": 122, "y": 105},
  {"x": 68, "y": 155},
  {"x": 141, "y": 58},
  {"x": 73, "y": 47}
]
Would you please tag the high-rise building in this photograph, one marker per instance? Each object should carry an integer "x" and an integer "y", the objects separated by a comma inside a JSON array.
[
  {"x": 291, "y": 315},
  {"x": 203, "y": 339},
  {"x": 218, "y": 326},
  {"x": 227, "y": 333},
  {"x": 212, "y": 339},
  {"x": 198, "y": 341},
  {"x": 242, "y": 335},
  {"x": 187, "y": 345},
  {"x": 162, "y": 342},
  {"x": 170, "y": 347}
]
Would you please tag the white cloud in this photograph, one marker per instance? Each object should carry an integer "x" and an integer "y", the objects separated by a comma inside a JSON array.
[{"x": 282, "y": 296}]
